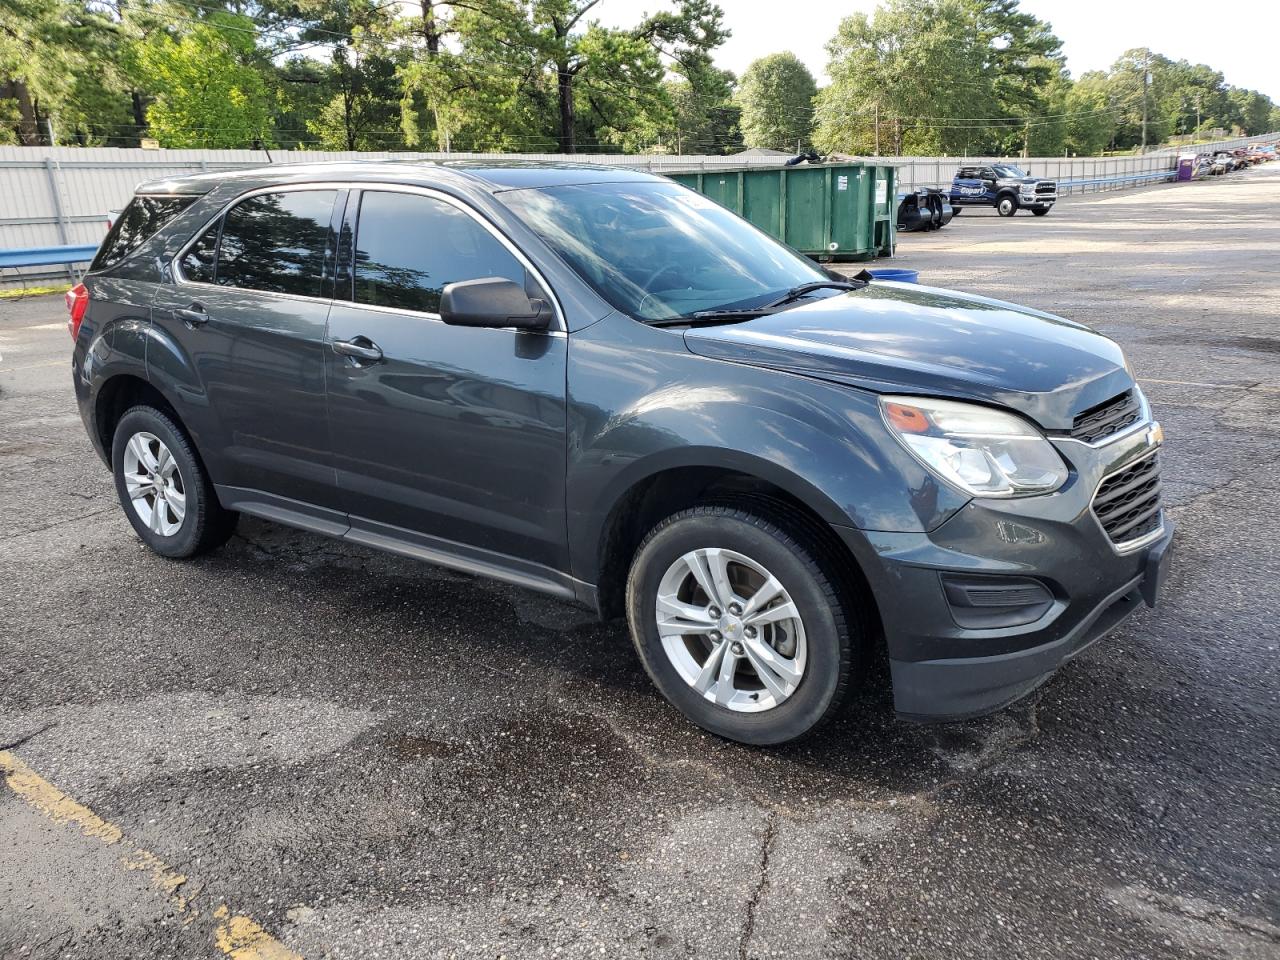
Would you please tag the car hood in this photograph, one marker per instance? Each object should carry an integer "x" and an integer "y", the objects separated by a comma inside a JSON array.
[{"x": 905, "y": 338}]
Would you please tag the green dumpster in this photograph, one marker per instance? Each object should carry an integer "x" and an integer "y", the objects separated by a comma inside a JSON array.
[{"x": 830, "y": 211}]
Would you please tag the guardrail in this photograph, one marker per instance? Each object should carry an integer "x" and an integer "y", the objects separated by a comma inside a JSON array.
[
  {"x": 47, "y": 256},
  {"x": 1132, "y": 179},
  {"x": 67, "y": 255}
]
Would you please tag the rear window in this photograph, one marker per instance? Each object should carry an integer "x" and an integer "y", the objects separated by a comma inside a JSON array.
[{"x": 137, "y": 223}]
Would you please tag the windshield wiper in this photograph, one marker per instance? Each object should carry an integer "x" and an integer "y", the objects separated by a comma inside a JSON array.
[
  {"x": 750, "y": 313},
  {"x": 796, "y": 292},
  {"x": 710, "y": 316}
]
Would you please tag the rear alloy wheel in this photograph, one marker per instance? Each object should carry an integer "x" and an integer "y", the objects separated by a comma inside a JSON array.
[
  {"x": 163, "y": 487},
  {"x": 741, "y": 624},
  {"x": 1007, "y": 206},
  {"x": 154, "y": 484}
]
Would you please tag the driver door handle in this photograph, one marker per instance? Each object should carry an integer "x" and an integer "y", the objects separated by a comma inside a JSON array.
[
  {"x": 194, "y": 315},
  {"x": 358, "y": 348}
]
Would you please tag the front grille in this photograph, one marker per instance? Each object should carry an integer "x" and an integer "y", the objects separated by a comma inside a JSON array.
[
  {"x": 1046, "y": 186},
  {"x": 1107, "y": 418},
  {"x": 1127, "y": 503}
]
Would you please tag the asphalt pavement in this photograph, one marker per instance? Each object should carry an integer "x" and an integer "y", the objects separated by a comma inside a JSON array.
[{"x": 295, "y": 746}]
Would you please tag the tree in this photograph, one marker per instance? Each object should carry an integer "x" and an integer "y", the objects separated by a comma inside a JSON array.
[
  {"x": 208, "y": 93},
  {"x": 1023, "y": 60},
  {"x": 1091, "y": 121},
  {"x": 1254, "y": 110},
  {"x": 776, "y": 98},
  {"x": 913, "y": 77},
  {"x": 703, "y": 122},
  {"x": 539, "y": 74},
  {"x": 59, "y": 68}
]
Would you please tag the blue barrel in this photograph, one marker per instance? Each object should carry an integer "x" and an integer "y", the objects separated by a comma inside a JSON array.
[{"x": 896, "y": 273}]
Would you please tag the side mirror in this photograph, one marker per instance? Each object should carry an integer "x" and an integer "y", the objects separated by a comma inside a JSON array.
[{"x": 492, "y": 302}]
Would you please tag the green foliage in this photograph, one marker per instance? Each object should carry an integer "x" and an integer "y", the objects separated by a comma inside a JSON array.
[
  {"x": 776, "y": 99},
  {"x": 982, "y": 77},
  {"x": 1090, "y": 124},
  {"x": 915, "y": 76},
  {"x": 209, "y": 93},
  {"x": 902, "y": 79}
]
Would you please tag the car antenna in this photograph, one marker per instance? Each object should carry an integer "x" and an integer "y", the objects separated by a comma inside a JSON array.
[{"x": 259, "y": 145}]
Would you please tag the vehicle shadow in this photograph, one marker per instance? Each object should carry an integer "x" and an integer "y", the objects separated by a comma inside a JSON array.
[{"x": 592, "y": 669}]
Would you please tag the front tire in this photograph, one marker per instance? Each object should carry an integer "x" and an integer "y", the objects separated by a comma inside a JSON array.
[
  {"x": 1007, "y": 206},
  {"x": 163, "y": 486},
  {"x": 741, "y": 625},
  {"x": 1040, "y": 211}
]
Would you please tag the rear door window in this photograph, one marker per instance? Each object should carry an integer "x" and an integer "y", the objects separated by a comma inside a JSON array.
[
  {"x": 138, "y": 222},
  {"x": 409, "y": 246},
  {"x": 277, "y": 243}
]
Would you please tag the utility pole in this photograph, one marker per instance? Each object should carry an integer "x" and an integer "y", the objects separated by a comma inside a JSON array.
[
  {"x": 877, "y": 128},
  {"x": 1197, "y": 113}
]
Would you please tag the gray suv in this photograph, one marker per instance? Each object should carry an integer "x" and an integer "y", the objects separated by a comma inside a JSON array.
[{"x": 601, "y": 385}]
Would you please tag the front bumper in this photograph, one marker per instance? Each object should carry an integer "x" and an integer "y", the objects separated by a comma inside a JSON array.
[{"x": 943, "y": 670}]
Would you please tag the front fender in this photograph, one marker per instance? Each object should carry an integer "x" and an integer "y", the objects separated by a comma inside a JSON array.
[{"x": 641, "y": 404}]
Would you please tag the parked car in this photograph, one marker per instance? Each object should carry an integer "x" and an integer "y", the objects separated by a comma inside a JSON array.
[
  {"x": 1004, "y": 186},
  {"x": 601, "y": 385},
  {"x": 925, "y": 209}
]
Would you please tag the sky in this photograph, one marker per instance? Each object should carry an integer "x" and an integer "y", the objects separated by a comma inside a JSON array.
[{"x": 1237, "y": 37}]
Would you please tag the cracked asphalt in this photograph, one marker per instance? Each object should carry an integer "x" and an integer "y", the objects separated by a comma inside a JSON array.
[{"x": 373, "y": 758}]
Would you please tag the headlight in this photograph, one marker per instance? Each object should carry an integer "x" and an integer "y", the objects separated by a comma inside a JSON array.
[{"x": 985, "y": 452}]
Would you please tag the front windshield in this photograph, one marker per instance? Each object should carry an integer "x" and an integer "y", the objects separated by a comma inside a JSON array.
[
  {"x": 1009, "y": 171},
  {"x": 659, "y": 250}
]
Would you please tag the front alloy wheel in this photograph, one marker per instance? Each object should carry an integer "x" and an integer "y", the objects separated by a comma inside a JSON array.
[
  {"x": 744, "y": 620},
  {"x": 731, "y": 630}
]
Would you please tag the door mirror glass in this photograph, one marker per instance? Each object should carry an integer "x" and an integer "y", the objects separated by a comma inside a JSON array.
[{"x": 492, "y": 302}]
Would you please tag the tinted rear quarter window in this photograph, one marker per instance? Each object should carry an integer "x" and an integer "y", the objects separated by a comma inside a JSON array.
[
  {"x": 201, "y": 259},
  {"x": 276, "y": 242},
  {"x": 137, "y": 223},
  {"x": 408, "y": 247}
]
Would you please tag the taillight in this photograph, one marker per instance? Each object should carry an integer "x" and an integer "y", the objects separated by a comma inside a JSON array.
[{"x": 77, "y": 304}]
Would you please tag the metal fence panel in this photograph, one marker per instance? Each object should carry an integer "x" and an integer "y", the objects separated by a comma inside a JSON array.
[{"x": 61, "y": 195}]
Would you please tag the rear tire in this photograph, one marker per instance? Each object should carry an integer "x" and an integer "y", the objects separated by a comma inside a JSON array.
[
  {"x": 163, "y": 486},
  {"x": 1007, "y": 206},
  {"x": 761, "y": 675}
]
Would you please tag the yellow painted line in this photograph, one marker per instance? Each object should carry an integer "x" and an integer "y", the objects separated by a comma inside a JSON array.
[
  {"x": 239, "y": 937},
  {"x": 242, "y": 939},
  {"x": 52, "y": 802}
]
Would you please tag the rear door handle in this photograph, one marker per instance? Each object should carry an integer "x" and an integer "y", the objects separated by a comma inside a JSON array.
[
  {"x": 195, "y": 315},
  {"x": 358, "y": 348}
]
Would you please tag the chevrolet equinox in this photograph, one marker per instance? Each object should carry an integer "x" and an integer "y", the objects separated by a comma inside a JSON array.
[{"x": 599, "y": 384}]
